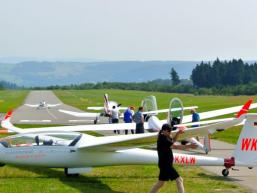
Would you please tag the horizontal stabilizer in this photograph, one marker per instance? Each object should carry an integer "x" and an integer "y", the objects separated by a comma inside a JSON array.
[{"x": 245, "y": 108}]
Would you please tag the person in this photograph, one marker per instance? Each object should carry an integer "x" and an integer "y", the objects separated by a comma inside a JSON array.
[
  {"x": 165, "y": 162},
  {"x": 138, "y": 118},
  {"x": 195, "y": 117},
  {"x": 115, "y": 117},
  {"x": 206, "y": 145},
  {"x": 193, "y": 140},
  {"x": 128, "y": 114}
]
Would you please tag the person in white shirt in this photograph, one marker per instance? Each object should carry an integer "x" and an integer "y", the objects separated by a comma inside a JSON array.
[{"x": 115, "y": 117}]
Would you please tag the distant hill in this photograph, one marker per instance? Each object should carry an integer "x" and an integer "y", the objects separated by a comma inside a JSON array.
[{"x": 34, "y": 73}]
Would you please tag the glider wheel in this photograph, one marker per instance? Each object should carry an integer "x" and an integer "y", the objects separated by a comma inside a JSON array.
[
  {"x": 70, "y": 175},
  {"x": 225, "y": 172}
]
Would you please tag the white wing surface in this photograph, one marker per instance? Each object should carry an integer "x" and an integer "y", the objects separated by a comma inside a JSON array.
[
  {"x": 32, "y": 105},
  {"x": 108, "y": 143},
  {"x": 53, "y": 105},
  {"x": 216, "y": 113},
  {"x": 80, "y": 114},
  {"x": 102, "y": 127},
  {"x": 95, "y": 108}
]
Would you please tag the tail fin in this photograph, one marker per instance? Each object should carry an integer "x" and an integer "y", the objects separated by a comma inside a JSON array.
[
  {"x": 246, "y": 146},
  {"x": 8, "y": 125},
  {"x": 106, "y": 102},
  {"x": 245, "y": 108}
]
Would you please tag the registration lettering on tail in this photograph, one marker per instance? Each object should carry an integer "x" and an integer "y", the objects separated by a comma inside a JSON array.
[{"x": 185, "y": 160}]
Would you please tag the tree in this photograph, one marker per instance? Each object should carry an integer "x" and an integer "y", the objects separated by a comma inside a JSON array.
[{"x": 174, "y": 77}]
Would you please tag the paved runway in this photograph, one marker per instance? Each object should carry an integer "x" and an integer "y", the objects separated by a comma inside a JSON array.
[{"x": 32, "y": 115}]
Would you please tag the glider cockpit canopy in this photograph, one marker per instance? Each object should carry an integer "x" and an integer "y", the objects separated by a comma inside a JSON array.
[
  {"x": 175, "y": 114},
  {"x": 41, "y": 139}
]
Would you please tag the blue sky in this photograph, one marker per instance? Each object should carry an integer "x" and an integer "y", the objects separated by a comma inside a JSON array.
[{"x": 129, "y": 29}]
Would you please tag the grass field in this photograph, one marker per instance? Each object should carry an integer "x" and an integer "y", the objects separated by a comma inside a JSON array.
[
  {"x": 121, "y": 179},
  {"x": 116, "y": 179},
  {"x": 10, "y": 99},
  {"x": 84, "y": 98}
]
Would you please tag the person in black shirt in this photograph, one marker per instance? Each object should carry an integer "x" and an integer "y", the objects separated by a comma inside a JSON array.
[{"x": 165, "y": 163}]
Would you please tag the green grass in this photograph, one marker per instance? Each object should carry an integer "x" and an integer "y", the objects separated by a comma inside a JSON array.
[
  {"x": 230, "y": 135},
  {"x": 116, "y": 179},
  {"x": 11, "y": 99}
]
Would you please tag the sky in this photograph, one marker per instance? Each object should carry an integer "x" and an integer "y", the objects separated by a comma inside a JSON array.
[{"x": 129, "y": 29}]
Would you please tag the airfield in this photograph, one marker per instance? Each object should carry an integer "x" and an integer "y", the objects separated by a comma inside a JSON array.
[
  {"x": 31, "y": 115},
  {"x": 27, "y": 115}
]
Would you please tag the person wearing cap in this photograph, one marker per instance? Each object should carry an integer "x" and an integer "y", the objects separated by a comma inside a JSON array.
[
  {"x": 164, "y": 148},
  {"x": 128, "y": 114}
]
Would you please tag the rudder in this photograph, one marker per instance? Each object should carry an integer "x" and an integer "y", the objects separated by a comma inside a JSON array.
[{"x": 246, "y": 147}]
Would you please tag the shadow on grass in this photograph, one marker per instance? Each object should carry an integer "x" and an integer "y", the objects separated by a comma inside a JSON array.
[
  {"x": 218, "y": 178},
  {"x": 82, "y": 183},
  {"x": 211, "y": 176}
]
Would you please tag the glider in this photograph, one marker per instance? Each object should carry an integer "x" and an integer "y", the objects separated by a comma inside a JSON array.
[{"x": 42, "y": 105}]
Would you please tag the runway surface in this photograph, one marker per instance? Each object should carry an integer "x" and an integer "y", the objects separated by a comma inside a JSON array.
[{"x": 32, "y": 115}]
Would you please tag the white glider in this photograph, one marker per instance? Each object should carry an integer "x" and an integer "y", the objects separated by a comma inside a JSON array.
[{"x": 42, "y": 105}]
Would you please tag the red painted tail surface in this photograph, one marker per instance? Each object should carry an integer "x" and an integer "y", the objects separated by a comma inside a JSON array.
[
  {"x": 246, "y": 148},
  {"x": 8, "y": 115},
  {"x": 245, "y": 108}
]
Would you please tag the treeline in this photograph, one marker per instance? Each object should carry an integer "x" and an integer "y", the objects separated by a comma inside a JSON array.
[
  {"x": 249, "y": 89},
  {"x": 143, "y": 86},
  {"x": 222, "y": 74},
  {"x": 7, "y": 85}
]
